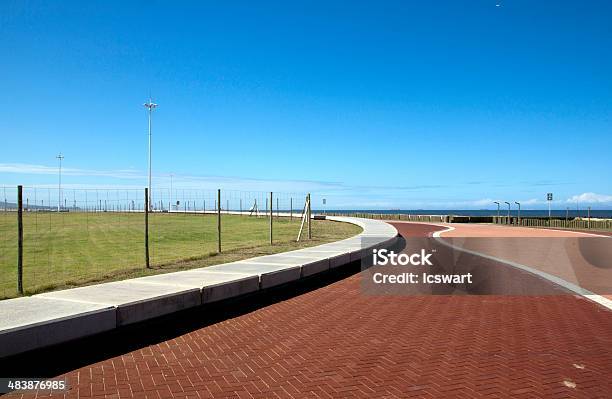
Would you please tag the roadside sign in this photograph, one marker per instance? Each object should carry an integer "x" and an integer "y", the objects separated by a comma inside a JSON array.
[
  {"x": 549, "y": 196},
  {"x": 324, "y": 201}
]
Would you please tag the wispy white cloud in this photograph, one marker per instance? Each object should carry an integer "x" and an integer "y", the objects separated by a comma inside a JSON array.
[
  {"x": 339, "y": 194},
  {"x": 203, "y": 181},
  {"x": 163, "y": 180},
  {"x": 486, "y": 203},
  {"x": 483, "y": 203},
  {"x": 192, "y": 180},
  {"x": 480, "y": 202},
  {"x": 30, "y": 169},
  {"x": 591, "y": 198}
]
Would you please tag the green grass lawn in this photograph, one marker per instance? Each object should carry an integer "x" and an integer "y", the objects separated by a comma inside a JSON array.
[{"x": 70, "y": 249}]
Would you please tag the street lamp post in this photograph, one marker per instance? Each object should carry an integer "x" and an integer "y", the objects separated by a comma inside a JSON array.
[
  {"x": 496, "y": 202},
  {"x": 549, "y": 198},
  {"x": 60, "y": 157},
  {"x": 589, "y": 216},
  {"x": 508, "y": 221},
  {"x": 519, "y": 211},
  {"x": 150, "y": 106}
]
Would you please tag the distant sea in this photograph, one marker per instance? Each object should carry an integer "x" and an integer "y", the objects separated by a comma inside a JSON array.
[{"x": 606, "y": 214}]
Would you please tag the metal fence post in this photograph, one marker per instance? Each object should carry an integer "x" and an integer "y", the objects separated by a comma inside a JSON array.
[
  {"x": 219, "y": 221},
  {"x": 291, "y": 209},
  {"x": 147, "y": 228},
  {"x": 271, "y": 217},
  {"x": 20, "y": 239}
]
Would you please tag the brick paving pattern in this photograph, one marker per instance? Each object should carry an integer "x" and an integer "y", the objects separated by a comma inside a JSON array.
[{"x": 335, "y": 342}]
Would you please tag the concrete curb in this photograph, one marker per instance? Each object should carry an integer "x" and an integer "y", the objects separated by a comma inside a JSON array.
[{"x": 41, "y": 320}]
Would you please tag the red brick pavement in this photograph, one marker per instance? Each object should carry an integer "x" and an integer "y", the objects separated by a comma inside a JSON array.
[{"x": 335, "y": 342}]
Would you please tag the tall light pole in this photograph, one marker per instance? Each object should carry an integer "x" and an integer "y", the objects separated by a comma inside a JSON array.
[
  {"x": 508, "y": 221},
  {"x": 150, "y": 106},
  {"x": 170, "y": 204},
  {"x": 495, "y": 202},
  {"x": 519, "y": 211},
  {"x": 59, "y": 187}
]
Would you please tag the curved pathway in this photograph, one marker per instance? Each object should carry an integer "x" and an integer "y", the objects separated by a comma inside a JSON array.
[
  {"x": 583, "y": 260},
  {"x": 337, "y": 342}
]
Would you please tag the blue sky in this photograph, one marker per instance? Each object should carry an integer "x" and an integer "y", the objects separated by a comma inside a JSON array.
[{"x": 370, "y": 104}]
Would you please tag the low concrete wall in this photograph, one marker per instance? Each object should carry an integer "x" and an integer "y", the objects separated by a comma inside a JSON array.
[
  {"x": 34, "y": 322},
  {"x": 46, "y": 319}
]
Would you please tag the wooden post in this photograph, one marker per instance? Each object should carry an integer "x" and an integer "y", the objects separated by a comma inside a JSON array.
[
  {"x": 303, "y": 218},
  {"x": 309, "y": 215},
  {"x": 20, "y": 239},
  {"x": 219, "y": 221},
  {"x": 147, "y": 228},
  {"x": 271, "y": 217}
]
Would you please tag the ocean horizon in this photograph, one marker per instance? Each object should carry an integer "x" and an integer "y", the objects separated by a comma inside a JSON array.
[{"x": 595, "y": 213}]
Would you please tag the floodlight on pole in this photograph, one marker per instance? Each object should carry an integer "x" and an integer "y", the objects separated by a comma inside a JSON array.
[
  {"x": 506, "y": 202},
  {"x": 150, "y": 106},
  {"x": 170, "y": 208},
  {"x": 60, "y": 157}
]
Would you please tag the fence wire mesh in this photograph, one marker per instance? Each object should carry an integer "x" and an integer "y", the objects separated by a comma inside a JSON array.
[{"x": 80, "y": 236}]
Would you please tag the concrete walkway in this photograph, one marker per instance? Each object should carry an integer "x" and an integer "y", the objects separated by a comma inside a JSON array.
[{"x": 37, "y": 321}]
